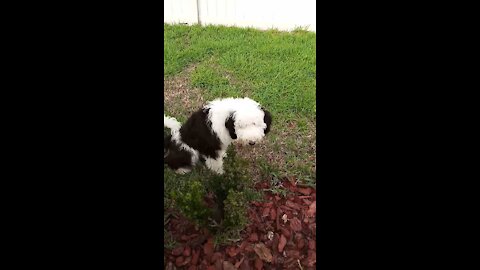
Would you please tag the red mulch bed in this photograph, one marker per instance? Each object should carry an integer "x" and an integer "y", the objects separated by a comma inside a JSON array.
[{"x": 281, "y": 235}]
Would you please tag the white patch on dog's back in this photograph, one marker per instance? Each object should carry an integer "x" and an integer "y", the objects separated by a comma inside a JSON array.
[
  {"x": 174, "y": 127},
  {"x": 171, "y": 123}
]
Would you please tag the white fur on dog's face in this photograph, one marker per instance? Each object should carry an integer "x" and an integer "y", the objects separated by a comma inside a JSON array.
[
  {"x": 249, "y": 127},
  {"x": 248, "y": 120}
]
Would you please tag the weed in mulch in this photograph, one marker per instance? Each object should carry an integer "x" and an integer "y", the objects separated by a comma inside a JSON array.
[{"x": 217, "y": 203}]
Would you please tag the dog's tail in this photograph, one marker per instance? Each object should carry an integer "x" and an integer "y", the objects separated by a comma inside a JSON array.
[{"x": 171, "y": 123}]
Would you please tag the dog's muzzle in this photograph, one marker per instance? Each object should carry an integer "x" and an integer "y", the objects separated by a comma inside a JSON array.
[{"x": 251, "y": 143}]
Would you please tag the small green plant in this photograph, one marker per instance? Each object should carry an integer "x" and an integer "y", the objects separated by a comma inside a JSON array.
[
  {"x": 272, "y": 175},
  {"x": 229, "y": 195},
  {"x": 233, "y": 191},
  {"x": 168, "y": 241},
  {"x": 191, "y": 202},
  {"x": 235, "y": 210},
  {"x": 234, "y": 177},
  {"x": 235, "y": 218}
]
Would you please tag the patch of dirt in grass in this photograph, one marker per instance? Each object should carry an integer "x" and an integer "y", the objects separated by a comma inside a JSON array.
[
  {"x": 232, "y": 80},
  {"x": 180, "y": 98}
]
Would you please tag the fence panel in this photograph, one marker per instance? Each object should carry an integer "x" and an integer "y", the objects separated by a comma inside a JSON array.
[
  {"x": 263, "y": 14},
  {"x": 180, "y": 11}
]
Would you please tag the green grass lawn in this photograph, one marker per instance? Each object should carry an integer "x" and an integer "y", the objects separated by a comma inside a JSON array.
[{"x": 277, "y": 69}]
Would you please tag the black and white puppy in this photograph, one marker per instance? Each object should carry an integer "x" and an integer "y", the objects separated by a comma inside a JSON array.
[{"x": 209, "y": 131}]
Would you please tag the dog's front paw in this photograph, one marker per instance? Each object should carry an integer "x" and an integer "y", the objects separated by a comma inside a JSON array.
[
  {"x": 216, "y": 165},
  {"x": 219, "y": 171},
  {"x": 183, "y": 171}
]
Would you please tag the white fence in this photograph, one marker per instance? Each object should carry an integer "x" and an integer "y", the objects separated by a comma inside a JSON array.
[{"x": 263, "y": 14}]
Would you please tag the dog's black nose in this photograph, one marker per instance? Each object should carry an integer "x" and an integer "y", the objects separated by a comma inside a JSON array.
[{"x": 251, "y": 143}]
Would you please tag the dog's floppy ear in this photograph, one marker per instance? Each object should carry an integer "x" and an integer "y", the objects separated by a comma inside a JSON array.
[
  {"x": 230, "y": 125},
  {"x": 267, "y": 118}
]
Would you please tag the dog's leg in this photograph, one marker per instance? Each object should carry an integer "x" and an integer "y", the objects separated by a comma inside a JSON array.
[
  {"x": 215, "y": 165},
  {"x": 183, "y": 170}
]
